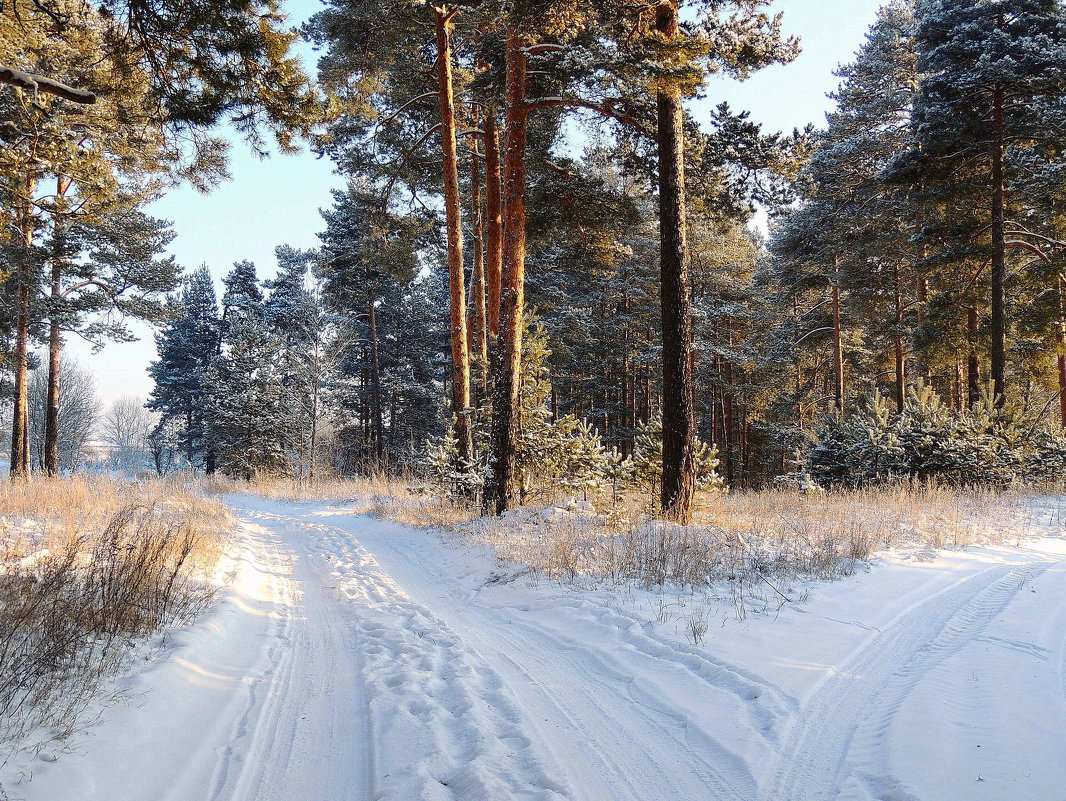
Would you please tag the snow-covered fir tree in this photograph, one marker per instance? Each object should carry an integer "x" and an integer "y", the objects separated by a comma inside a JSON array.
[
  {"x": 186, "y": 347},
  {"x": 249, "y": 424}
]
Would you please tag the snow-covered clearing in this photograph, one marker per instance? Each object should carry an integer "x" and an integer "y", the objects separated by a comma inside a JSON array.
[{"x": 353, "y": 658}]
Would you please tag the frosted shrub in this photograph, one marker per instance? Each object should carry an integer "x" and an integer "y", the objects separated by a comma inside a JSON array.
[
  {"x": 643, "y": 470},
  {"x": 981, "y": 446},
  {"x": 550, "y": 453}
]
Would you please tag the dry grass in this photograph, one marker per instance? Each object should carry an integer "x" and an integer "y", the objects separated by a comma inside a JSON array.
[
  {"x": 750, "y": 542},
  {"x": 753, "y": 539},
  {"x": 402, "y": 499},
  {"x": 88, "y": 569}
]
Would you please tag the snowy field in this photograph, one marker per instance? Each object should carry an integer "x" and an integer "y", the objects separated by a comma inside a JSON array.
[{"x": 353, "y": 658}]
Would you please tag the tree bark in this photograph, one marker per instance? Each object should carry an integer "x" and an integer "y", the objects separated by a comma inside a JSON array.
[
  {"x": 460, "y": 406},
  {"x": 679, "y": 420},
  {"x": 901, "y": 354},
  {"x": 493, "y": 224},
  {"x": 508, "y": 357},
  {"x": 40, "y": 83},
  {"x": 838, "y": 353},
  {"x": 999, "y": 256},
  {"x": 478, "y": 323},
  {"x": 51, "y": 427},
  {"x": 375, "y": 384},
  {"x": 20, "y": 451},
  {"x": 973, "y": 366},
  {"x": 1062, "y": 351},
  {"x": 55, "y": 345}
]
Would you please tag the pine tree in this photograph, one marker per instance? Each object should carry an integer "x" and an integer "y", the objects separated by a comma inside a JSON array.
[
  {"x": 248, "y": 424},
  {"x": 311, "y": 344},
  {"x": 187, "y": 346},
  {"x": 988, "y": 116},
  {"x": 99, "y": 268}
]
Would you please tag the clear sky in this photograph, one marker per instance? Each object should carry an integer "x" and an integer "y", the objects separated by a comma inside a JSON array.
[{"x": 276, "y": 201}]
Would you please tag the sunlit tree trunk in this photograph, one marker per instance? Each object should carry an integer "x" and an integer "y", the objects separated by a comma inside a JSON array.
[
  {"x": 838, "y": 352},
  {"x": 1062, "y": 351},
  {"x": 679, "y": 419},
  {"x": 460, "y": 406},
  {"x": 508, "y": 357},
  {"x": 493, "y": 224},
  {"x": 55, "y": 345},
  {"x": 20, "y": 451},
  {"x": 479, "y": 343}
]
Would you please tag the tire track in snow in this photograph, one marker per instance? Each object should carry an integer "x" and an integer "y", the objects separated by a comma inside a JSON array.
[
  {"x": 666, "y": 749},
  {"x": 869, "y": 690},
  {"x": 622, "y": 697},
  {"x": 302, "y": 733},
  {"x": 443, "y": 725}
]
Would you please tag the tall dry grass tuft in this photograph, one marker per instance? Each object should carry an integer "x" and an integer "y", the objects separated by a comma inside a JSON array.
[
  {"x": 398, "y": 498},
  {"x": 749, "y": 540},
  {"x": 89, "y": 568}
]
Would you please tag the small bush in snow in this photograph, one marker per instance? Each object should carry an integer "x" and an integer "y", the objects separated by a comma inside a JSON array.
[{"x": 927, "y": 441}]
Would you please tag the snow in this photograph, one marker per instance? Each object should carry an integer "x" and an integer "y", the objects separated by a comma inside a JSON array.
[{"x": 356, "y": 658}]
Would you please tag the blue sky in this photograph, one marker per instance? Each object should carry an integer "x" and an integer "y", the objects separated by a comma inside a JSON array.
[{"x": 274, "y": 201}]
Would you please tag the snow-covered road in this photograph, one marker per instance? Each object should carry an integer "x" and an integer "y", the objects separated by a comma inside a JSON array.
[{"x": 352, "y": 658}]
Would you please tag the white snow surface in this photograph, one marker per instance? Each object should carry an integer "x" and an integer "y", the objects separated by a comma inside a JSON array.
[{"x": 352, "y": 658}]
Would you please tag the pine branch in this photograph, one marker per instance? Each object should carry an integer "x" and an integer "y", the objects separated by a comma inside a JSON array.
[
  {"x": 39, "y": 83},
  {"x": 607, "y": 110}
]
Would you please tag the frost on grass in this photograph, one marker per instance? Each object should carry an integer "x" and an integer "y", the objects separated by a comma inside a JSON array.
[
  {"x": 745, "y": 540},
  {"x": 89, "y": 570}
]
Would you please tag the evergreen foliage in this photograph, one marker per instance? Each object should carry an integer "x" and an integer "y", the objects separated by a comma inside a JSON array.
[
  {"x": 186, "y": 347},
  {"x": 984, "y": 445},
  {"x": 643, "y": 469}
]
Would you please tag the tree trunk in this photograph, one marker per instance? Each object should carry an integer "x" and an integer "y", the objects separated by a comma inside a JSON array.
[
  {"x": 679, "y": 419},
  {"x": 55, "y": 344},
  {"x": 508, "y": 356},
  {"x": 478, "y": 328},
  {"x": 493, "y": 224},
  {"x": 999, "y": 257},
  {"x": 901, "y": 354},
  {"x": 973, "y": 366},
  {"x": 375, "y": 384},
  {"x": 1062, "y": 351},
  {"x": 51, "y": 428},
  {"x": 453, "y": 220},
  {"x": 20, "y": 451},
  {"x": 312, "y": 455},
  {"x": 838, "y": 353}
]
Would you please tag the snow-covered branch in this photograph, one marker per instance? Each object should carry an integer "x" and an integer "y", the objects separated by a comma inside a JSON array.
[{"x": 39, "y": 83}]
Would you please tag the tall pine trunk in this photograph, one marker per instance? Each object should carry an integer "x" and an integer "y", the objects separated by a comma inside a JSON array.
[
  {"x": 999, "y": 256},
  {"x": 900, "y": 351},
  {"x": 508, "y": 357},
  {"x": 51, "y": 423},
  {"x": 479, "y": 343},
  {"x": 973, "y": 365},
  {"x": 679, "y": 418},
  {"x": 493, "y": 224},
  {"x": 375, "y": 383},
  {"x": 55, "y": 345},
  {"x": 453, "y": 221},
  {"x": 20, "y": 441},
  {"x": 1062, "y": 351},
  {"x": 312, "y": 455},
  {"x": 838, "y": 352}
]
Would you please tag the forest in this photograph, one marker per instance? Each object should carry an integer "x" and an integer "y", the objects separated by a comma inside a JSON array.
[
  {"x": 615, "y": 313},
  {"x": 595, "y": 441}
]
